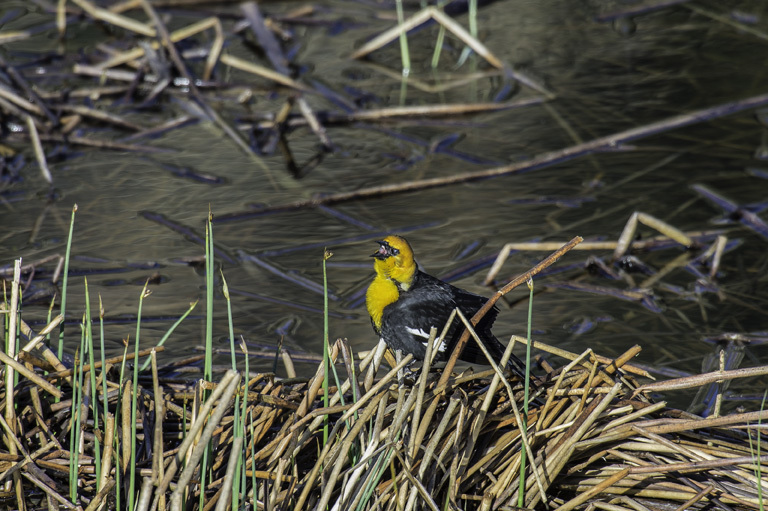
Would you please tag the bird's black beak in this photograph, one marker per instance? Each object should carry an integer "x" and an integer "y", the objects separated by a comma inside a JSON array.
[{"x": 383, "y": 251}]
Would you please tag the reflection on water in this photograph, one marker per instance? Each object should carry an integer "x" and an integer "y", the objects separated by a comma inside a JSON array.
[{"x": 605, "y": 78}]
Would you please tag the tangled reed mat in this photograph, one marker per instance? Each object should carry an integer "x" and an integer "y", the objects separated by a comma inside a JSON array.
[{"x": 401, "y": 441}]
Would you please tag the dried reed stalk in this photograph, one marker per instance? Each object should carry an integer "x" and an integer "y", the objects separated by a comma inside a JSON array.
[{"x": 402, "y": 441}]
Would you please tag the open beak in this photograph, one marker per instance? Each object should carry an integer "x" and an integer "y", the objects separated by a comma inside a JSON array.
[{"x": 382, "y": 252}]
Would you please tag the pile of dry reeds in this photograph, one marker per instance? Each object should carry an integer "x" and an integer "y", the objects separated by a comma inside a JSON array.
[{"x": 405, "y": 440}]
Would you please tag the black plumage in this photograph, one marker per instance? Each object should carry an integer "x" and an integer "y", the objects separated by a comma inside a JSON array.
[{"x": 404, "y": 303}]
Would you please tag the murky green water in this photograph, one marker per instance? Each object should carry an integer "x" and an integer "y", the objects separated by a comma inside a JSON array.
[{"x": 605, "y": 80}]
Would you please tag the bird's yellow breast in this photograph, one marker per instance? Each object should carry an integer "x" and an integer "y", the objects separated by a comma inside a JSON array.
[{"x": 381, "y": 293}]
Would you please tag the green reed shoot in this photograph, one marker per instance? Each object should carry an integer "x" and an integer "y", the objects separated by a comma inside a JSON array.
[
  {"x": 134, "y": 401},
  {"x": 405, "y": 55},
  {"x": 103, "y": 358},
  {"x": 524, "y": 425},
  {"x": 225, "y": 290},
  {"x": 438, "y": 47},
  {"x": 238, "y": 433},
  {"x": 467, "y": 52},
  {"x": 393, "y": 474},
  {"x": 473, "y": 18},
  {"x": 439, "y": 41},
  {"x": 170, "y": 331},
  {"x": 60, "y": 351},
  {"x": 118, "y": 407},
  {"x": 381, "y": 464},
  {"x": 528, "y": 348},
  {"x": 74, "y": 428},
  {"x": 239, "y": 415},
  {"x": 326, "y": 347},
  {"x": 243, "y": 428},
  {"x": 208, "y": 364},
  {"x": 254, "y": 484},
  {"x": 92, "y": 373}
]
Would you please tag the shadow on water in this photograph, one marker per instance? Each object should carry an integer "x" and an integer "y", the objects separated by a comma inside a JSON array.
[{"x": 308, "y": 159}]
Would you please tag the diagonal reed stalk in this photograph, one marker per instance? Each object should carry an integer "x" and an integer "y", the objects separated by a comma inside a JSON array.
[{"x": 172, "y": 329}]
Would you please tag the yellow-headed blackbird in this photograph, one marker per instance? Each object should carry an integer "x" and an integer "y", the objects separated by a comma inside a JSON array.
[{"x": 404, "y": 303}]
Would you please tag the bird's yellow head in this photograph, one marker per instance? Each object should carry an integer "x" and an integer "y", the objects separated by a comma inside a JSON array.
[{"x": 394, "y": 261}]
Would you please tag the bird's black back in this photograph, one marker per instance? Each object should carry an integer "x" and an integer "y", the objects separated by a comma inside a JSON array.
[{"x": 428, "y": 303}]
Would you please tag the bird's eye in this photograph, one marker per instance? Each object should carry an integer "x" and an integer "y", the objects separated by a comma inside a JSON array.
[{"x": 394, "y": 251}]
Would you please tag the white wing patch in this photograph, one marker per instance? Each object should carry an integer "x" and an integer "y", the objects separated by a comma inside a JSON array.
[{"x": 418, "y": 332}]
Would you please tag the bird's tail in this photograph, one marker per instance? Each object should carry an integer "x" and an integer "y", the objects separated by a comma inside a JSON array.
[
  {"x": 516, "y": 366},
  {"x": 496, "y": 349}
]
